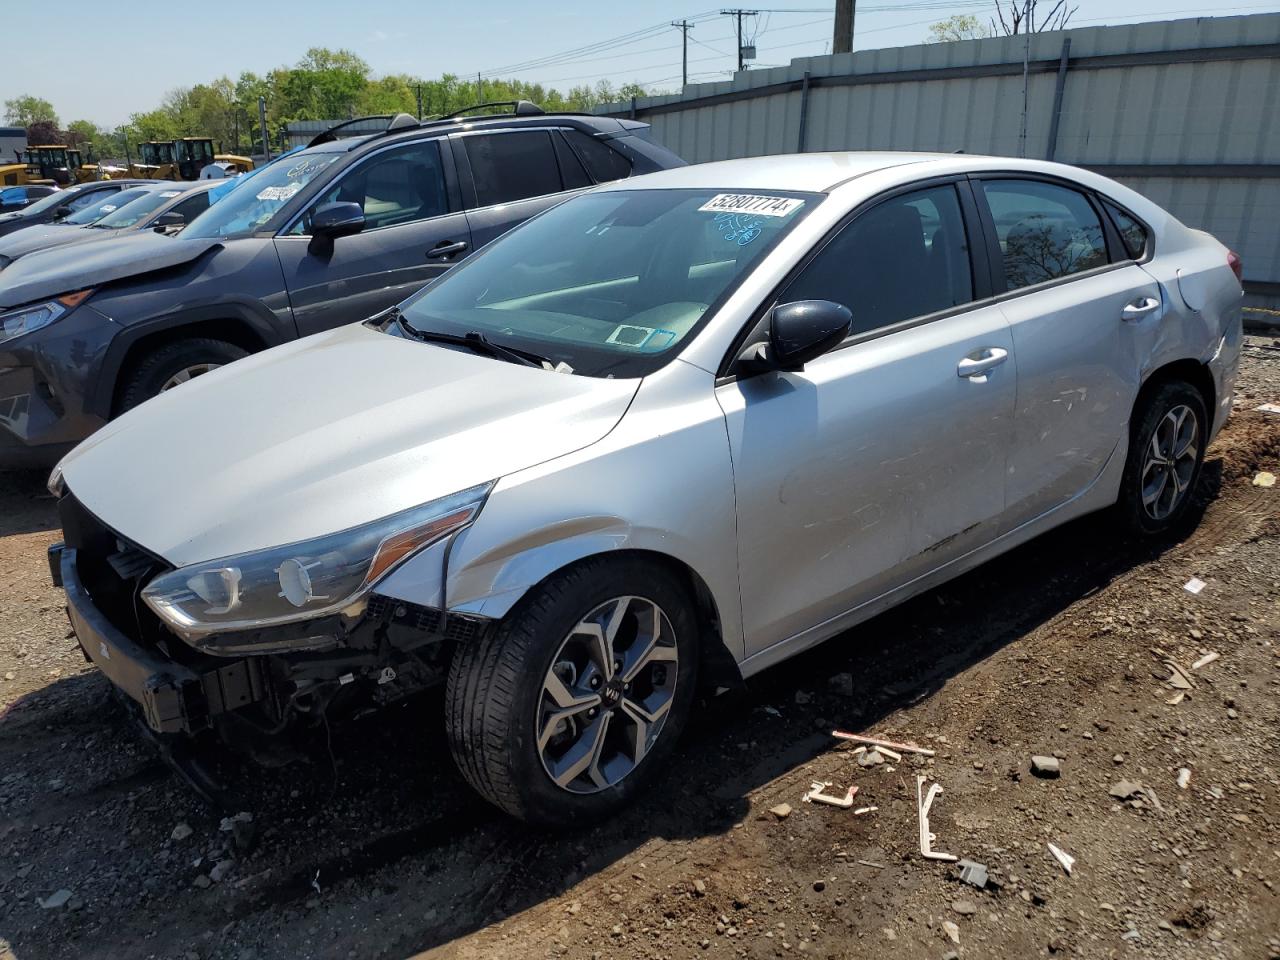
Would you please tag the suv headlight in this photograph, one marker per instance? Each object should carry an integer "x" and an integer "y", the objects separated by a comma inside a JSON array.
[
  {"x": 25, "y": 320},
  {"x": 302, "y": 580}
]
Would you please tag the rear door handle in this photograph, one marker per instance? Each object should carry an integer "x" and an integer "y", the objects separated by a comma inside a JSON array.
[
  {"x": 446, "y": 248},
  {"x": 1139, "y": 308},
  {"x": 980, "y": 361}
]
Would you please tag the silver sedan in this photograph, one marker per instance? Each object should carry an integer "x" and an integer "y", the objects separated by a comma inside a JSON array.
[{"x": 665, "y": 435}]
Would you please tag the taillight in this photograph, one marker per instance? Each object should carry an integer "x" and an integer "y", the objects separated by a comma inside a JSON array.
[{"x": 1233, "y": 261}]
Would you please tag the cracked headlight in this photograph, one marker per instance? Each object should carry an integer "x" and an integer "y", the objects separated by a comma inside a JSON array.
[
  {"x": 25, "y": 320},
  {"x": 300, "y": 581}
]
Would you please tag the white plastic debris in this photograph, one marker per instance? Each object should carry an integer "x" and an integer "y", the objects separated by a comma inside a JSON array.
[
  {"x": 1268, "y": 408},
  {"x": 924, "y": 800},
  {"x": 1064, "y": 858},
  {"x": 864, "y": 810},
  {"x": 1184, "y": 778},
  {"x": 1264, "y": 479},
  {"x": 1194, "y": 585},
  {"x": 817, "y": 794},
  {"x": 873, "y": 741},
  {"x": 1204, "y": 661}
]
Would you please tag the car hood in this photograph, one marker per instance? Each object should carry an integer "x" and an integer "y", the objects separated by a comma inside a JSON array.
[
  {"x": 49, "y": 273},
  {"x": 323, "y": 434},
  {"x": 45, "y": 237}
]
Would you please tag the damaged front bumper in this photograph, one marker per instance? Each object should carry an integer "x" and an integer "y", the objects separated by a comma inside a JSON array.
[
  {"x": 262, "y": 683},
  {"x": 174, "y": 698}
]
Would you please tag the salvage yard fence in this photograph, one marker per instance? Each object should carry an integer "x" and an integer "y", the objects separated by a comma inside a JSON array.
[{"x": 1186, "y": 112}]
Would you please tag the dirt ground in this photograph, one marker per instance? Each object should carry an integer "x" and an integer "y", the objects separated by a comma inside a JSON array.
[{"x": 374, "y": 848}]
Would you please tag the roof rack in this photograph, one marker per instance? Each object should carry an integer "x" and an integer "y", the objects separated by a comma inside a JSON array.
[
  {"x": 519, "y": 108},
  {"x": 395, "y": 121}
]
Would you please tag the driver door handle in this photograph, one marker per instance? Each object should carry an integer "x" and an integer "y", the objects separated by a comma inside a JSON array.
[
  {"x": 1139, "y": 308},
  {"x": 979, "y": 362},
  {"x": 446, "y": 248}
]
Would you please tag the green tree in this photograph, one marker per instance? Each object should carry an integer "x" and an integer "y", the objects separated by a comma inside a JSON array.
[
  {"x": 26, "y": 110},
  {"x": 962, "y": 26}
]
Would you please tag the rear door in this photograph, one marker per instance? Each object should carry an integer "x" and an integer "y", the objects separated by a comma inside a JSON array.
[
  {"x": 1074, "y": 316},
  {"x": 884, "y": 458},
  {"x": 510, "y": 175},
  {"x": 414, "y": 230}
]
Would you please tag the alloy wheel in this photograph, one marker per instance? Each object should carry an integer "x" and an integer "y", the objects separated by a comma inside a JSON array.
[
  {"x": 607, "y": 694},
  {"x": 1170, "y": 462},
  {"x": 187, "y": 373}
]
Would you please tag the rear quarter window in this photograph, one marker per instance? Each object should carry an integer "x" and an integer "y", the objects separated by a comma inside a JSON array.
[
  {"x": 1133, "y": 234},
  {"x": 602, "y": 161}
]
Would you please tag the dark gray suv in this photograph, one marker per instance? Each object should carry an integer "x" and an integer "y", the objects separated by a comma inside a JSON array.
[{"x": 329, "y": 235}]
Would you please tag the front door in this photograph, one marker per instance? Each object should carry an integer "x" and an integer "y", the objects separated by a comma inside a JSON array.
[
  {"x": 1074, "y": 317},
  {"x": 410, "y": 237},
  {"x": 885, "y": 458}
]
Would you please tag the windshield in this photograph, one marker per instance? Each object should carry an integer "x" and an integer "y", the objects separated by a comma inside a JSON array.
[
  {"x": 52, "y": 201},
  {"x": 610, "y": 283},
  {"x": 108, "y": 204},
  {"x": 256, "y": 200},
  {"x": 136, "y": 210}
]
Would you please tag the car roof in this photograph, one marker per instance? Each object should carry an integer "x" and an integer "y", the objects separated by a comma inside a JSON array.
[
  {"x": 445, "y": 126},
  {"x": 807, "y": 172},
  {"x": 184, "y": 187}
]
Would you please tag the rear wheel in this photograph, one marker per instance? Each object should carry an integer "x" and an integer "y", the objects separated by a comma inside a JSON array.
[
  {"x": 1166, "y": 452},
  {"x": 562, "y": 713},
  {"x": 173, "y": 364}
]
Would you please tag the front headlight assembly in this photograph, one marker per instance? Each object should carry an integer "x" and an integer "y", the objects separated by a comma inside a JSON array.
[
  {"x": 304, "y": 580},
  {"x": 25, "y": 320}
]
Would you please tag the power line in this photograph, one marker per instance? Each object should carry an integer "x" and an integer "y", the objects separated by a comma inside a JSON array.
[{"x": 598, "y": 46}]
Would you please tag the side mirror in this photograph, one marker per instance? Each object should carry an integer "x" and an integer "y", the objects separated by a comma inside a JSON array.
[
  {"x": 63, "y": 211},
  {"x": 798, "y": 332},
  {"x": 337, "y": 220},
  {"x": 167, "y": 221}
]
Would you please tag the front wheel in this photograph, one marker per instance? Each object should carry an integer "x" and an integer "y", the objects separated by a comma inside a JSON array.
[
  {"x": 1166, "y": 452},
  {"x": 563, "y": 712},
  {"x": 175, "y": 363}
]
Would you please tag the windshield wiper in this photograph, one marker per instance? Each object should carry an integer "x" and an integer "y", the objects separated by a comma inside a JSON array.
[{"x": 473, "y": 339}]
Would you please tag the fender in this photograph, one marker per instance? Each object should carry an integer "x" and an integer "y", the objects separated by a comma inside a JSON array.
[{"x": 266, "y": 326}]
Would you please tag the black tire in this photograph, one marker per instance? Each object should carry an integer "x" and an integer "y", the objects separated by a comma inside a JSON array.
[
  {"x": 1147, "y": 418},
  {"x": 494, "y": 692},
  {"x": 165, "y": 362}
]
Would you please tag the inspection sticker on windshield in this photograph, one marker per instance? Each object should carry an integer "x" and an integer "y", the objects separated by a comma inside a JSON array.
[
  {"x": 752, "y": 203},
  {"x": 279, "y": 193}
]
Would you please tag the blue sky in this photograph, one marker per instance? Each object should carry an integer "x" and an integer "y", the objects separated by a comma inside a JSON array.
[{"x": 107, "y": 69}]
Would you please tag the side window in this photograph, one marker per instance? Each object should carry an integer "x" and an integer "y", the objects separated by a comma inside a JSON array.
[
  {"x": 903, "y": 258},
  {"x": 1132, "y": 234},
  {"x": 572, "y": 172},
  {"x": 87, "y": 198},
  {"x": 602, "y": 161},
  {"x": 512, "y": 166},
  {"x": 1046, "y": 231},
  {"x": 192, "y": 207},
  {"x": 401, "y": 185}
]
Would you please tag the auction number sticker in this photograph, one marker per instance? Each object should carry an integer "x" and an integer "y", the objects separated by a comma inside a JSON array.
[
  {"x": 750, "y": 203},
  {"x": 279, "y": 193}
]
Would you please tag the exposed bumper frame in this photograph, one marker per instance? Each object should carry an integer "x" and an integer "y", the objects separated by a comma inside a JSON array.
[{"x": 175, "y": 699}]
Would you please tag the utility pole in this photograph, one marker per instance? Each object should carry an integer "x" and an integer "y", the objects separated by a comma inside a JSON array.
[
  {"x": 684, "y": 26},
  {"x": 419, "y": 102},
  {"x": 739, "y": 14},
  {"x": 479, "y": 89},
  {"x": 842, "y": 40},
  {"x": 262, "y": 118}
]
